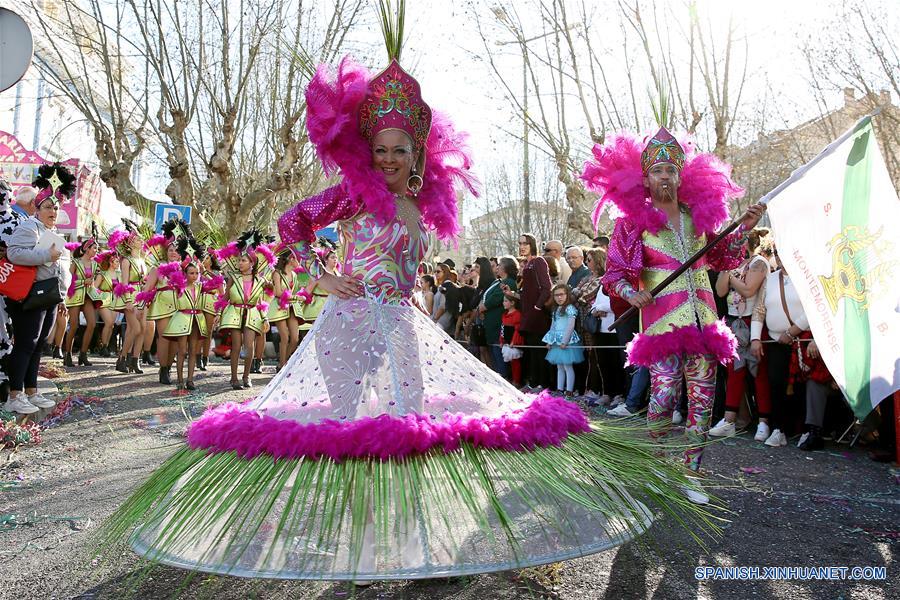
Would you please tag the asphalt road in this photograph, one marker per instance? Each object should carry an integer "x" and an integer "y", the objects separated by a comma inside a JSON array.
[{"x": 795, "y": 509}]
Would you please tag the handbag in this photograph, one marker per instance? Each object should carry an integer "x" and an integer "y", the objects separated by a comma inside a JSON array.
[
  {"x": 591, "y": 323},
  {"x": 44, "y": 294},
  {"x": 477, "y": 336},
  {"x": 15, "y": 280}
]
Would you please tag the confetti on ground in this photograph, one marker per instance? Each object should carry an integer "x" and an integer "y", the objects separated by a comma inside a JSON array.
[{"x": 752, "y": 470}]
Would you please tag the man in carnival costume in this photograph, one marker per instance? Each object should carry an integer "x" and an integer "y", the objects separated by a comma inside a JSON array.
[
  {"x": 668, "y": 202},
  {"x": 383, "y": 449}
]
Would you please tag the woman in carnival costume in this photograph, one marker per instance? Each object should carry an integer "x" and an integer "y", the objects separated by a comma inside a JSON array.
[
  {"x": 286, "y": 310},
  {"x": 314, "y": 295},
  {"x": 188, "y": 324},
  {"x": 129, "y": 245},
  {"x": 265, "y": 270},
  {"x": 82, "y": 297},
  {"x": 158, "y": 294},
  {"x": 105, "y": 281},
  {"x": 244, "y": 304},
  {"x": 668, "y": 202},
  {"x": 383, "y": 449},
  {"x": 213, "y": 286}
]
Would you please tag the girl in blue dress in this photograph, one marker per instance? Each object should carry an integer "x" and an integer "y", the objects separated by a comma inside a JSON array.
[{"x": 562, "y": 336}]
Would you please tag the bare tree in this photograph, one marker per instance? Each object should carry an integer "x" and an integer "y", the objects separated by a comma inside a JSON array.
[
  {"x": 497, "y": 231},
  {"x": 212, "y": 88},
  {"x": 585, "y": 85}
]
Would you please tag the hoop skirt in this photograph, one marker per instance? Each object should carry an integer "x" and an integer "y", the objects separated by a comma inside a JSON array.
[{"x": 384, "y": 450}]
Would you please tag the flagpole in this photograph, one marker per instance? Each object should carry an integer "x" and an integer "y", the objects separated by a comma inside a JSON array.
[{"x": 795, "y": 175}]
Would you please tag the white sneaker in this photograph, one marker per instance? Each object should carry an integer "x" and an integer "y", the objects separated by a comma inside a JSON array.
[
  {"x": 20, "y": 404},
  {"x": 677, "y": 418},
  {"x": 802, "y": 439},
  {"x": 620, "y": 411},
  {"x": 41, "y": 401},
  {"x": 762, "y": 432},
  {"x": 723, "y": 429},
  {"x": 776, "y": 439}
]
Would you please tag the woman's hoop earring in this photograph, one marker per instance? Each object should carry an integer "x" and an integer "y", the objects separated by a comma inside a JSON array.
[{"x": 414, "y": 184}]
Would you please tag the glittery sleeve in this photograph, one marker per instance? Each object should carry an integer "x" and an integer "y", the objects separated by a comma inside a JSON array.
[
  {"x": 297, "y": 227},
  {"x": 624, "y": 260},
  {"x": 729, "y": 253}
]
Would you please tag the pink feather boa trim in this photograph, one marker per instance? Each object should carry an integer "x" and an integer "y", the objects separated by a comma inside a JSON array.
[
  {"x": 146, "y": 297},
  {"x": 121, "y": 289},
  {"x": 547, "y": 421},
  {"x": 284, "y": 300},
  {"x": 715, "y": 339},
  {"x": 333, "y": 101},
  {"x": 213, "y": 284},
  {"x": 168, "y": 269},
  {"x": 220, "y": 303},
  {"x": 615, "y": 174}
]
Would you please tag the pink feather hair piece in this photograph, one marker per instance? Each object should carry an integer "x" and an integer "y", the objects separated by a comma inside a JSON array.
[
  {"x": 547, "y": 421},
  {"x": 333, "y": 101},
  {"x": 228, "y": 251},
  {"x": 73, "y": 246},
  {"x": 266, "y": 253},
  {"x": 615, "y": 174},
  {"x": 156, "y": 240},
  {"x": 118, "y": 237}
]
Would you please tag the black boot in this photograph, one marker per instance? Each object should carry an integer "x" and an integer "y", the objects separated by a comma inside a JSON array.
[
  {"x": 134, "y": 367},
  {"x": 122, "y": 364},
  {"x": 67, "y": 360},
  {"x": 205, "y": 362},
  {"x": 164, "y": 376},
  {"x": 57, "y": 352},
  {"x": 147, "y": 359},
  {"x": 256, "y": 367},
  {"x": 814, "y": 440},
  {"x": 83, "y": 360},
  {"x": 200, "y": 366},
  {"x": 104, "y": 352},
  {"x": 48, "y": 350}
]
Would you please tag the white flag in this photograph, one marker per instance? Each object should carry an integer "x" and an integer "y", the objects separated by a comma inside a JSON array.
[{"x": 836, "y": 222}]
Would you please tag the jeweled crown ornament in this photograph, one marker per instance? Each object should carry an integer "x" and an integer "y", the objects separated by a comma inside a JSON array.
[
  {"x": 662, "y": 148},
  {"x": 393, "y": 97},
  {"x": 394, "y": 101}
]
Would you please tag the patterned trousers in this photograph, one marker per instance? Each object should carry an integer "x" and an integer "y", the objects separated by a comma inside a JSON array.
[{"x": 699, "y": 371}]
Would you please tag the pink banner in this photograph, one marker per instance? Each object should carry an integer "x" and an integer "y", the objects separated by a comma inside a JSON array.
[{"x": 19, "y": 166}]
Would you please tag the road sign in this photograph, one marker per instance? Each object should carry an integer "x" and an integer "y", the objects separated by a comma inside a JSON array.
[{"x": 165, "y": 212}]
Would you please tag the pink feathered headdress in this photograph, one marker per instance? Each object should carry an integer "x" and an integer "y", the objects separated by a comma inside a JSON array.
[
  {"x": 616, "y": 174},
  {"x": 333, "y": 104}
]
